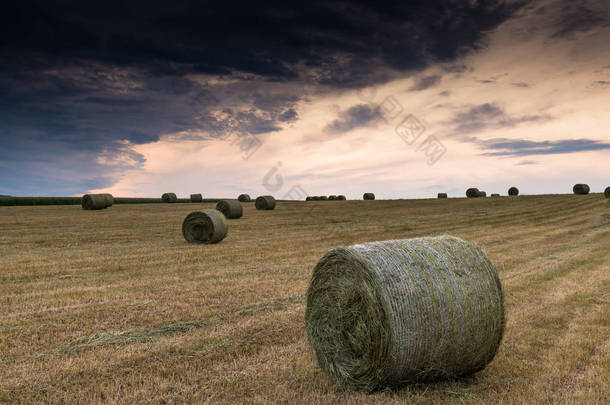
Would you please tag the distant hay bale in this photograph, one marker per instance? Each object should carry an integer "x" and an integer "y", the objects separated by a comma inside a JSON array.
[
  {"x": 482, "y": 194},
  {"x": 442, "y": 195},
  {"x": 472, "y": 192},
  {"x": 315, "y": 198},
  {"x": 368, "y": 196},
  {"x": 513, "y": 191},
  {"x": 265, "y": 202},
  {"x": 196, "y": 198},
  {"x": 231, "y": 209},
  {"x": 607, "y": 192},
  {"x": 207, "y": 226},
  {"x": 341, "y": 198},
  {"x": 332, "y": 197},
  {"x": 388, "y": 313},
  {"x": 308, "y": 198},
  {"x": 244, "y": 198},
  {"x": 96, "y": 201},
  {"x": 323, "y": 198},
  {"x": 581, "y": 189},
  {"x": 495, "y": 195},
  {"x": 169, "y": 198}
]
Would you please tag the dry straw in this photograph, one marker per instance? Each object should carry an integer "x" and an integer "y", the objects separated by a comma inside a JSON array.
[
  {"x": 389, "y": 313},
  {"x": 231, "y": 209},
  {"x": 169, "y": 198},
  {"x": 244, "y": 198},
  {"x": 196, "y": 198},
  {"x": 607, "y": 192},
  {"x": 96, "y": 201},
  {"x": 207, "y": 226},
  {"x": 442, "y": 195},
  {"x": 472, "y": 192},
  {"x": 581, "y": 189},
  {"x": 265, "y": 202},
  {"x": 368, "y": 196},
  {"x": 513, "y": 191}
]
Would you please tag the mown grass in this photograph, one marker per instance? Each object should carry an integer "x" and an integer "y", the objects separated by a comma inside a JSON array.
[{"x": 113, "y": 306}]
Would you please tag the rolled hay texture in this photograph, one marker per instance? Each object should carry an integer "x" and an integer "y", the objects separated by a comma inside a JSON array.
[
  {"x": 265, "y": 202},
  {"x": 368, "y": 196},
  {"x": 231, "y": 209},
  {"x": 341, "y": 198},
  {"x": 472, "y": 192},
  {"x": 607, "y": 192},
  {"x": 96, "y": 201},
  {"x": 196, "y": 198},
  {"x": 169, "y": 198},
  {"x": 244, "y": 198},
  {"x": 332, "y": 197},
  {"x": 581, "y": 189},
  {"x": 482, "y": 194},
  {"x": 513, "y": 191},
  {"x": 389, "y": 313},
  {"x": 207, "y": 226},
  {"x": 442, "y": 195}
]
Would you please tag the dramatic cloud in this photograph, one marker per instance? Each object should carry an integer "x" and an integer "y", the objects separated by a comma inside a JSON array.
[
  {"x": 522, "y": 147},
  {"x": 426, "y": 82},
  {"x": 484, "y": 116},
  {"x": 355, "y": 117}
]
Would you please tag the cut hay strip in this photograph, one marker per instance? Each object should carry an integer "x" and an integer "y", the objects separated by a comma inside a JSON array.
[
  {"x": 388, "y": 313},
  {"x": 196, "y": 198},
  {"x": 231, "y": 209},
  {"x": 169, "y": 198},
  {"x": 513, "y": 191},
  {"x": 442, "y": 195},
  {"x": 581, "y": 189},
  {"x": 368, "y": 196},
  {"x": 265, "y": 202},
  {"x": 96, "y": 201},
  {"x": 607, "y": 192},
  {"x": 244, "y": 198},
  {"x": 472, "y": 192},
  {"x": 207, "y": 226},
  {"x": 341, "y": 198}
]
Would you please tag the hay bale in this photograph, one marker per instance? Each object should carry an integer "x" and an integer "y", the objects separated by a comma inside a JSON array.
[
  {"x": 442, "y": 195},
  {"x": 265, "y": 202},
  {"x": 581, "y": 189},
  {"x": 207, "y": 226},
  {"x": 323, "y": 198},
  {"x": 513, "y": 191},
  {"x": 244, "y": 198},
  {"x": 169, "y": 198},
  {"x": 368, "y": 196},
  {"x": 472, "y": 192},
  {"x": 607, "y": 192},
  {"x": 196, "y": 198},
  {"x": 231, "y": 209},
  {"x": 495, "y": 195},
  {"x": 341, "y": 198},
  {"x": 315, "y": 198},
  {"x": 96, "y": 201},
  {"x": 388, "y": 313},
  {"x": 332, "y": 197},
  {"x": 482, "y": 194},
  {"x": 308, "y": 198}
]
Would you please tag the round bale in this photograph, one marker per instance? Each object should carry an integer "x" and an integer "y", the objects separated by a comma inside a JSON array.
[
  {"x": 332, "y": 197},
  {"x": 207, "y": 226},
  {"x": 581, "y": 189},
  {"x": 388, "y": 313},
  {"x": 472, "y": 192},
  {"x": 607, "y": 192},
  {"x": 265, "y": 202},
  {"x": 442, "y": 195},
  {"x": 341, "y": 198},
  {"x": 513, "y": 191},
  {"x": 244, "y": 198},
  {"x": 196, "y": 198},
  {"x": 323, "y": 198},
  {"x": 368, "y": 196},
  {"x": 482, "y": 194},
  {"x": 231, "y": 209},
  {"x": 95, "y": 201},
  {"x": 169, "y": 198}
]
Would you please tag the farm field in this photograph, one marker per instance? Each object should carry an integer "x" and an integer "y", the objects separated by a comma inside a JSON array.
[{"x": 113, "y": 306}]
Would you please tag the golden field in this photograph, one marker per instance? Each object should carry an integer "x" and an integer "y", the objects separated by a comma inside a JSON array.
[{"x": 113, "y": 306}]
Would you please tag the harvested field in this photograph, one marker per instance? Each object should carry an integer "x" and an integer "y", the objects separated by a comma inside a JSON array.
[{"x": 114, "y": 306}]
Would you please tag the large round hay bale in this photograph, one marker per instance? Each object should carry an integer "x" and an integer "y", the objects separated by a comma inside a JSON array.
[
  {"x": 196, "y": 198},
  {"x": 472, "y": 192},
  {"x": 207, "y": 226},
  {"x": 581, "y": 189},
  {"x": 495, "y": 195},
  {"x": 308, "y": 198},
  {"x": 332, "y": 197},
  {"x": 315, "y": 198},
  {"x": 109, "y": 199},
  {"x": 607, "y": 192},
  {"x": 368, "y": 196},
  {"x": 442, "y": 195},
  {"x": 244, "y": 198},
  {"x": 323, "y": 198},
  {"x": 513, "y": 191},
  {"x": 231, "y": 209},
  {"x": 482, "y": 194},
  {"x": 388, "y": 313},
  {"x": 341, "y": 198},
  {"x": 169, "y": 198},
  {"x": 95, "y": 201},
  {"x": 265, "y": 202}
]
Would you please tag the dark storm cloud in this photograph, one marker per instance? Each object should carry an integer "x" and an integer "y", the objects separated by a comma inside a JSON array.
[
  {"x": 575, "y": 17},
  {"x": 426, "y": 82},
  {"x": 523, "y": 147},
  {"x": 487, "y": 116},
  {"x": 358, "y": 116}
]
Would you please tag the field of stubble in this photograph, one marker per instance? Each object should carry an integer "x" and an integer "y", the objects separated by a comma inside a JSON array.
[{"x": 114, "y": 306}]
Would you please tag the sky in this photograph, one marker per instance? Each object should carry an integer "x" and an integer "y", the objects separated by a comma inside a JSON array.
[{"x": 403, "y": 99}]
